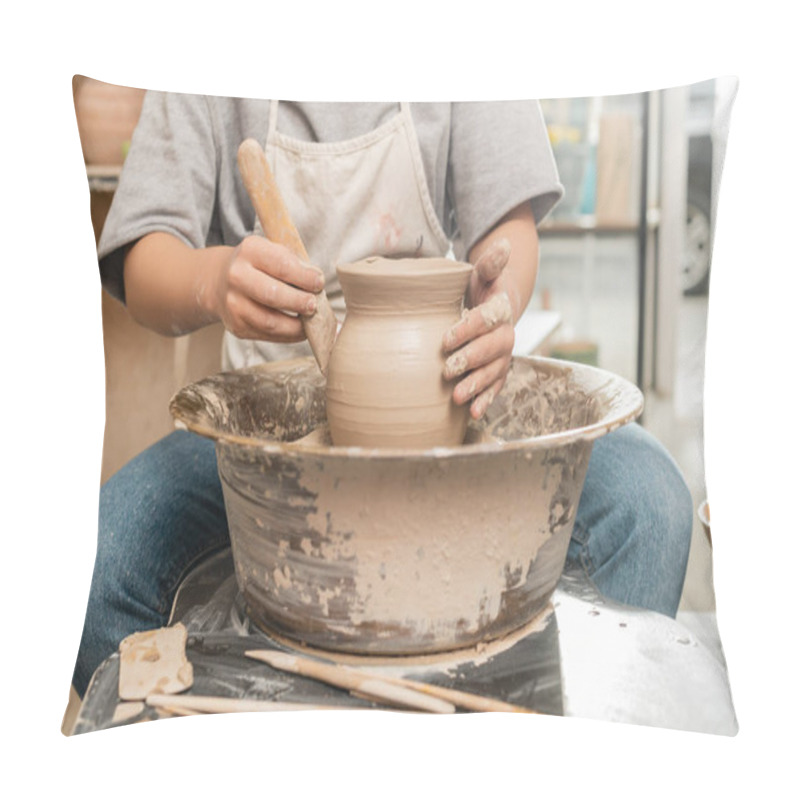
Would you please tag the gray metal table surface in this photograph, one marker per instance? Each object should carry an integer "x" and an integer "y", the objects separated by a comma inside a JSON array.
[
  {"x": 625, "y": 664},
  {"x": 584, "y": 657}
]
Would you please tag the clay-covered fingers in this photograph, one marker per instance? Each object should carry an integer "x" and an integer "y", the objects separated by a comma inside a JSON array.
[
  {"x": 480, "y": 320},
  {"x": 481, "y": 362},
  {"x": 480, "y": 346},
  {"x": 476, "y": 388},
  {"x": 265, "y": 289},
  {"x": 249, "y": 320},
  {"x": 292, "y": 280},
  {"x": 493, "y": 260},
  {"x": 496, "y": 345},
  {"x": 482, "y": 402}
]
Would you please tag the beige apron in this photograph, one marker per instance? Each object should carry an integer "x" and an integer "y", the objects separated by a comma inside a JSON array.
[{"x": 348, "y": 200}]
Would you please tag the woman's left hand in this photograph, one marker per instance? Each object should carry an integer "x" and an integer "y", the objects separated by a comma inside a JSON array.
[{"x": 480, "y": 344}]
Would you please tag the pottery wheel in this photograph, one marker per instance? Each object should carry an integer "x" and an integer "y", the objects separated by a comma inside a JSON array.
[
  {"x": 594, "y": 658},
  {"x": 524, "y": 670}
]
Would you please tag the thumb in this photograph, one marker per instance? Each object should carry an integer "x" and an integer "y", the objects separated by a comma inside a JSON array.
[{"x": 493, "y": 260}]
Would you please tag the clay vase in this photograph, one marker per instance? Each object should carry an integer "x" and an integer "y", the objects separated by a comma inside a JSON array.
[
  {"x": 107, "y": 115},
  {"x": 384, "y": 384}
]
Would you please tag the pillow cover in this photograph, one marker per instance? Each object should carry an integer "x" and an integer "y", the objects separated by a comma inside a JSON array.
[{"x": 624, "y": 263}]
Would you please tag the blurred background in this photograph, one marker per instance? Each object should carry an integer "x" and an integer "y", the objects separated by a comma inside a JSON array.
[
  {"x": 623, "y": 280},
  {"x": 626, "y": 263}
]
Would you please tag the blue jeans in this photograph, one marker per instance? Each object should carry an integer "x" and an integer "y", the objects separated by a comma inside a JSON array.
[
  {"x": 633, "y": 526},
  {"x": 163, "y": 513}
]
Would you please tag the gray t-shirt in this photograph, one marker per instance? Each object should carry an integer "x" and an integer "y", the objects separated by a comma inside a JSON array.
[{"x": 481, "y": 160}]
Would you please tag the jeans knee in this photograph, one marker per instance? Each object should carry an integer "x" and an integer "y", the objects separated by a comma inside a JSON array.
[
  {"x": 658, "y": 501},
  {"x": 157, "y": 514},
  {"x": 635, "y": 519}
]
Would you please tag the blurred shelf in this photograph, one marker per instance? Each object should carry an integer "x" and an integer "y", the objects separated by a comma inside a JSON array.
[
  {"x": 589, "y": 224},
  {"x": 576, "y": 228}
]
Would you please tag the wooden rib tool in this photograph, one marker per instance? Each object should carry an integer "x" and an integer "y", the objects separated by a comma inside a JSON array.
[
  {"x": 364, "y": 685},
  {"x": 202, "y": 704},
  {"x": 420, "y": 696},
  {"x": 320, "y": 327}
]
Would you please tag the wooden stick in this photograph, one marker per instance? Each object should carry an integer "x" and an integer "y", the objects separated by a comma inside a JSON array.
[
  {"x": 178, "y": 711},
  {"x": 324, "y": 672},
  {"x": 472, "y": 702},
  {"x": 320, "y": 327},
  {"x": 363, "y": 684},
  {"x": 204, "y": 704}
]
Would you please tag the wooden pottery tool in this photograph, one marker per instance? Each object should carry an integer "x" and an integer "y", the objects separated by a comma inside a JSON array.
[
  {"x": 361, "y": 684},
  {"x": 203, "y": 704},
  {"x": 465, "y": 700},
  {"x": 320, "y": 327},
  {"x": 348, "y": 678}
]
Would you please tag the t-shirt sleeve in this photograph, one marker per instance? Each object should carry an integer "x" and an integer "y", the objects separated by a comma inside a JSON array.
[
  {"x": 168, "y": 182},
  {"x": 500, "y": 157}
]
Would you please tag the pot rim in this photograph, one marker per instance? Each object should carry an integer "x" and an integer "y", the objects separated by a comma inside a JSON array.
[{"x": 626, "y": 408}]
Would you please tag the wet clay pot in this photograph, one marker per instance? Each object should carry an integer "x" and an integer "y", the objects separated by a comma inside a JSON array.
[
  {"x": 387, "y": 551},
  {"x": 384, "y": 384}
]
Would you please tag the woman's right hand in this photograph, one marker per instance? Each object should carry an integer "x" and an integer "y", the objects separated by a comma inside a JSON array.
[
  {"x": 261, "y": 290},
  {"x": 257, "y": 290}
]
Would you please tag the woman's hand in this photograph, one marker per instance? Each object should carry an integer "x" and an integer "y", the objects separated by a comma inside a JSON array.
[
  {"x": 262, "y": 290},
  {"x": 257, "y": 290},
  {"x": 480, "y": 344},
  {"x": 479, "y": 347}
]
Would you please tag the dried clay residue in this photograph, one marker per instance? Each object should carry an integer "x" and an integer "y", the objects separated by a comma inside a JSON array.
[{"x": 407, "y": 541}]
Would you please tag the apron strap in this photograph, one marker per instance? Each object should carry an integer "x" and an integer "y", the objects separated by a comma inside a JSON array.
[{"x": 272, "y": 125}]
